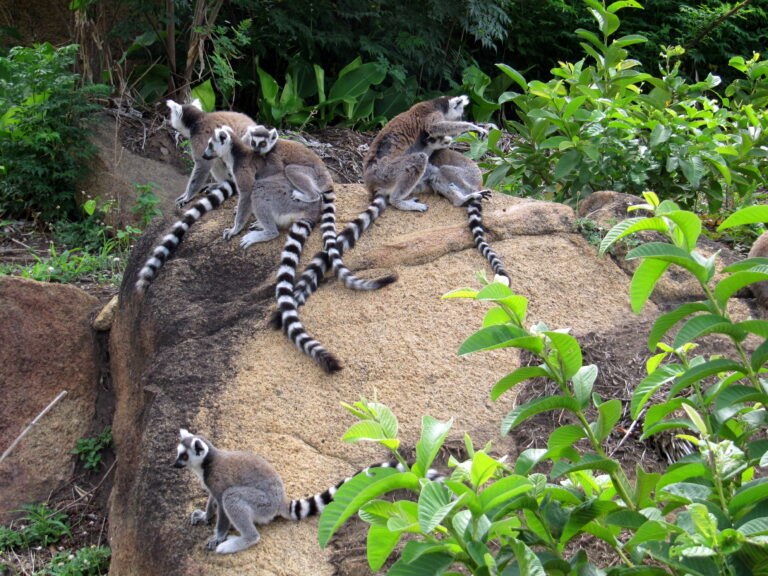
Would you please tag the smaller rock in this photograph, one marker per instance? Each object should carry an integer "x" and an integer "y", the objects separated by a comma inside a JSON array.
[{"x": 103, "y": 321}]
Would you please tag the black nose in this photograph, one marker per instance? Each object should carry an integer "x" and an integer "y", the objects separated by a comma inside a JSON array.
[{"x": 178, "y": 464}]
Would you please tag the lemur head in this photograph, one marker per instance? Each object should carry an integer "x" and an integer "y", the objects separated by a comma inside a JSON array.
[
  {"x": 261, "y": 139},
  {"x": 219, "y": 144},
  {"x": 175, "y": 117},
  {"x": 456, "y": 107},
  {"x": 432, "y": 143},
  {"x": 191, "y": 451},
  {"x": 177, "y": 120}
]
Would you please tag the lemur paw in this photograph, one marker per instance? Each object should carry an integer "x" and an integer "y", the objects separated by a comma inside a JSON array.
[
  {"x": 299, "y": 196},
  {"x": 255, "y": 226},
  {"x": 182, "y": 200},
  {"x": 214, "y": 541},
  {"x": 484, "y": 194},
  {"x": 228, "y": 233},
  {"x": 198, "y": 517}
]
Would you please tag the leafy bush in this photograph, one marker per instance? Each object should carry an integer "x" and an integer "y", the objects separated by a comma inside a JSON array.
[
  {"x": 43, "y": 138},
  {"x": 93, "y": 561},
  {"x": 705, "y": 515},
  {"x": 38, "y": 526},
  {"x": 593, "y": 126},
  {"x": 89, "y": 450}
]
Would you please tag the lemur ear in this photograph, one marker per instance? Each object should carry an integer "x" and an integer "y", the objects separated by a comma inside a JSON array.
[
  {"x": 197, "y": 104},
  {"x": 174, "y": 106},
  {"x": 198, "y": 447},
  {"x": 273, "y": 136},
  {"x": 184, "y": 433}
]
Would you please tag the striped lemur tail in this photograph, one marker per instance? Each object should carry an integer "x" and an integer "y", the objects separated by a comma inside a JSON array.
[
  {"x": 320, "y": 263},
  {"x": 305, "y": 507},
  {"x": 475, "y": 217},
  {"x": 286, "y": 303},
  {"x": 215, "y": 197}
]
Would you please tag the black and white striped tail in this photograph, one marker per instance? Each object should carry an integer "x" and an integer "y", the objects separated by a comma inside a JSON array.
[
  {"x": 475, "y": 217},
  {"x": 305, "y": 507},
  {"x": 212, "y": 200},
  {"x": 330, "y": 246},
  {"x": 320, "y": 263},
  {"x": 286, "y": 303}
]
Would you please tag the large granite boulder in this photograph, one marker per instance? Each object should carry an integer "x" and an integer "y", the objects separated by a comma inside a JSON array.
[
  {"x": 196, "y": 351},
  {"x": 47, "y": 347}
]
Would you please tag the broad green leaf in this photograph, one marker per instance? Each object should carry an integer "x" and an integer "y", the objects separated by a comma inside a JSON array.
[
  {"x": 619, "y": 231},
  {"x": 748, "y": 496},
  {"x": 567, "y": 164},
  {"x": 414, "y": 549},
  {"x": 621, "y": 4},
  {"x": 564, "y": 437},
  {"x": 588, "y": 462},
  {"x": 365, "y": 430},
  {"x": 707, "y": 369},
  {"x": 746, "y": 264},
  {"x": 354, "y": 83},
  {"x": 755, "y": 527},
  {"x": 732, "y": 284},
  {"x": 651, "y": 531},
  {"x": 519, "y": 375},
  {"x": 537, "y": 406},
  {"x": 648, "y": 386},
  {"x": 583, "y": 381},
  {"x": 380, "y": 544},
  {"x": 750, "y": 215},
  {"x": 683, "y": 472},
  {"x": 433, "y": 433},
  {"x": 687, "y": 491},
  {"x": 269, "y": 86},
  {"x": 515, "y": 75},
  {"x": 204, "y": 92},
  {"x": 483, "y": 467},
  {"x": 496, "y": 316},
  {"x": 672, "y": 254},
  {"x": 644, "y": 281},
  {"x": 527, "y": 562},
  {"x": 434, "y": 504},
  {"x": 759, "y": 357},
  {"x": 736, "y": 394},
  {"x": 609, "y": 414},
  {"x": 425, "y": 565},
  {"x": 666, "y": 321},
  {"x": 494, "y": 291},
  {"x": 568, "y": 350},
  {"x": 707, "y": 324},
  {"x": 660, "y": 134},
  {"x": 492, "y": 337},
  {"x": 358, "y": 491},
  {"x": 461, "y": 293},
  {"x": 689, "y": 224},
  {"x": 502, "y": 491},
  {"x": 759, "y": 327},
  {"x": 527, "y": 459}
]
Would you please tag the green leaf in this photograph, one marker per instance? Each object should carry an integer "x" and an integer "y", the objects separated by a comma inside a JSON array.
[
  {"x": 564, "y": 437},
  {"x": 366, "y": 430},
  {"x": 492, "y": 337},
  {"x": 644, "y": 281},
  {"x": 269, "y": 87},
  {"x": 588, "y": 462},
  {"x": 354, "y": 83},
  {"x": 567, "y": 163},
  {"x": 483, "y": 468},
  {"x": 434, "y": 505},
  {"x": 537, "y": 406},
  {"x": 568, "y": 350},
  {"x": 503, "y": 491},
  {"x": 747, "y": 497},
  {"x": 672, "y": 254},
  {"x": 380, "y": 544},
  {"x": 461, "y": 293},
  {"x": 689, "y": 224},
  {"x": 750, "y": 215},
  {"x": 759, "y": 357},
  {"x": 425, "y": 565},
  {"x": 617, "y": 232},
  {"x": 707, "y": 369},
  {"x": 527, "y": 562},
  {"x": 204, "y": 92},
  {"x": 732, "y": 284},
  {"x": 649, "y": 385},
  {"x": 496, "y": 316},
  {"x": 515, "y": 75},
  {"x": 583, "y": 381},
  {"x": 519, "y": 375},
  {"x": 755, "y": 527},
  {"x": 707, "y": 324},
  {"x": 358, "y": 491},
  {"x": 433, "y": 433},
  {"x": 609, "y": 414},
  {"x": 759, "y": 327},
  {"x": 666, "y": 321},
  {"x": 660, "y": 134}
]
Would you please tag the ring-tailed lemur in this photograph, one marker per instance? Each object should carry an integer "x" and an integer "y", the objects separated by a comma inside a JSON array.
[
  {"x": 456, "y": 177},
  {"x": 244, "y": 489},
  {"x": 213, "y": 199},
  {"x": 275, "y": 206},
  {"x": 198, "y": 126}
]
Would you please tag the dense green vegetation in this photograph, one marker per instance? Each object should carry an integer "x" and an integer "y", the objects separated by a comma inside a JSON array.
[{"x": 705, "y": 515}]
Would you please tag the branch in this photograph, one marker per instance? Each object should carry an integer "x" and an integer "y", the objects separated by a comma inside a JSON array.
[
  {"x": 28, "y": 428},
  {"x": 715, "y": 24}
]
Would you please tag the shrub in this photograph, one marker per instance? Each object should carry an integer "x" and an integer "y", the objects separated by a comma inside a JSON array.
[{"x": 44, "y": 143}]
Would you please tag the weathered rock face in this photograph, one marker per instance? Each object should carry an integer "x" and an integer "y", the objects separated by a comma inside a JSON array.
[
  {"x": 46, "y": 347},
  {"x": 196, "y": 351}
]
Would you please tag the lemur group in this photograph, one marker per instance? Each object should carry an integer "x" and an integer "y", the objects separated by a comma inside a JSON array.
[{"x": 285, "y": 185}]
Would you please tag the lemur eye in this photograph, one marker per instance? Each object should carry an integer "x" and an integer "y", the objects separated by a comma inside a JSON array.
[{"x": 184, "y": 456}]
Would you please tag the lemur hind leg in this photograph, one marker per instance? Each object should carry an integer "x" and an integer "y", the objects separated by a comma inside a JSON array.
[
  {"x": 398, "y": 178},
  {"x": 308, "y": 186}
]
